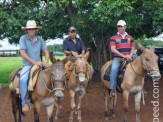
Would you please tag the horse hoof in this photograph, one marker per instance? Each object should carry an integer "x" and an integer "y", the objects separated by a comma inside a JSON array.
[
  {"x": 113, "y": 115},
  {"x": 106, "y": 118},
  {"x": 56, "y": 118},
  {"x": 124, "y": 120}
]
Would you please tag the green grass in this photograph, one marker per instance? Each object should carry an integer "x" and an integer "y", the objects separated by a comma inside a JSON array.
[{"x": 9, "y": 64}]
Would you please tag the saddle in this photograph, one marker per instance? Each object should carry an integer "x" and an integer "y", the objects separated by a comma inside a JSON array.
[
  {"x": 120, "y": 77},
  {"x": 14, "y": 84}
]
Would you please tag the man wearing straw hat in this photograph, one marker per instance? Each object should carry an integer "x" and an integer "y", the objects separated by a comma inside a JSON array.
[{"x": 30, "y": 46}]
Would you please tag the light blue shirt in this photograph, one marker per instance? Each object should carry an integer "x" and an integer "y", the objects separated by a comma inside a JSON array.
[{"x": 32, "y": 48}]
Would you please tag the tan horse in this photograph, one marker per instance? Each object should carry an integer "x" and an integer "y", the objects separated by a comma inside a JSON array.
[
  {"x": 77, "y": 83},
  {"x": 48, "y": 91},
  {"x": 106, "y": 88},
  {"x": 133, "y": 81}
]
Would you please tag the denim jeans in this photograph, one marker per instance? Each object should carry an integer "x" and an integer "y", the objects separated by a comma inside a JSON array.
[
  {"x": 23, "y": 83},
  {"x": 114, "y": 71}
]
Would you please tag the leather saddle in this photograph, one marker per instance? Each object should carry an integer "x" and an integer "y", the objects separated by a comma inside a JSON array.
[{"x": 120, "y": 77}]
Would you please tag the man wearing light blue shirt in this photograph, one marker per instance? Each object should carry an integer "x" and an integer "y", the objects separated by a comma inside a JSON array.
[{"x": 30, "y": 47}]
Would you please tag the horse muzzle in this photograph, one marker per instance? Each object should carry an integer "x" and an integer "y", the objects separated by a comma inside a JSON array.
[
  {"x": 59, "y": 95},
  {"x": 155, "y": 75},
  {"x": 82, "y": 78}
]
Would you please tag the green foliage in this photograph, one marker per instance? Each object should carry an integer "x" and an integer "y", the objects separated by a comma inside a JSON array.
[
  {"x": 149, "y": 43},
  {"x": 0, "y": 45},
  {"x": 55, "y": 48}
]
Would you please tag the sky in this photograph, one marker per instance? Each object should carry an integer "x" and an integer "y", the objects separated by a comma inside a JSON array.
[{"x": 7, "y": 46}]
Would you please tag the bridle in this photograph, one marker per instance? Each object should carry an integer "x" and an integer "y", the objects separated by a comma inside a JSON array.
[
  {"x": 148, "y": 71},
  {"x": 51, "y": 80},
  {"x": 76, "y": 73}
]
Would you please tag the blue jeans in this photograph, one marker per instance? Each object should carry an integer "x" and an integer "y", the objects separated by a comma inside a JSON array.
[
  {"x": 23, "y": 83},
  {"x": 114, "y": 71}
]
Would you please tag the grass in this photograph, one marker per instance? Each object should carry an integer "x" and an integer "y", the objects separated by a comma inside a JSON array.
[{"x": 9, "y": 64}]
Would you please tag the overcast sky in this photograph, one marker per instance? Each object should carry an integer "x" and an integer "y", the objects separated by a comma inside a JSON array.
[{"x": 6, "y": 46}]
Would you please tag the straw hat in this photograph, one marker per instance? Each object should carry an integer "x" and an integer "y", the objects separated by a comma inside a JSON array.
[{"x": 31, "y": 24}]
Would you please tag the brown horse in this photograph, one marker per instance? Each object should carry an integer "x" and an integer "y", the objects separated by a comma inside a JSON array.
[
  {"x": 48, "y": 91},
  {"x": 77, "y": 83},
  {"x": 133, "y": 81}
]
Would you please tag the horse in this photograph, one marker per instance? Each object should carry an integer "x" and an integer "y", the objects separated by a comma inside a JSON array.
[
  {"x": 48, "y": 91},
  {"x": 106, "y": 91},
  {"x": 133, "y": 82},
  {"x": 77, "y": 83}
]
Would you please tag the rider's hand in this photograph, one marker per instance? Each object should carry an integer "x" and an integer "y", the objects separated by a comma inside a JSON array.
[
  {"x": 39, "y": 63},
  {"x": 128, "y": 57},
  {"x": 45, "y": 64}
]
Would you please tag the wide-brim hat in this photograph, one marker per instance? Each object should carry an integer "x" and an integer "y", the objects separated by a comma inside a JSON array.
[{"x": 31, "y": 24}]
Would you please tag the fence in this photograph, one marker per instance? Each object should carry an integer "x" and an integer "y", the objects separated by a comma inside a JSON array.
[{"x": 6, "y": 53}]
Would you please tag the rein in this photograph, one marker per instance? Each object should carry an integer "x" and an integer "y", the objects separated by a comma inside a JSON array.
[
  {"x": 144, "y": 62},
  {"x": 43, "y": 80},
  {"x": 51, "y": 79}
]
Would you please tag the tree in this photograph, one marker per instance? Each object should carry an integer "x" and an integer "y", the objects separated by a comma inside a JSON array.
[
  {"x": 95, "y": 20},
  {"x": 0, "y": 45}
]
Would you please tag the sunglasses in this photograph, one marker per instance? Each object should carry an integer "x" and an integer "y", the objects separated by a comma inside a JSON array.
[
  {"x": 119, "y": 26},
  {"x": 32, "y": 29},
  {"x": 73, "y": 31}
]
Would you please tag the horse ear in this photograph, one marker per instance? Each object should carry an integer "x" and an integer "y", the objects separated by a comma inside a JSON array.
[
  {"x": 52, "y": 58},
  {"x": 141, "y": 47},
  {"x": 75, "y": 54},
  {"x": 152, "y": 48},
  {"x": 86, "y": 55}
]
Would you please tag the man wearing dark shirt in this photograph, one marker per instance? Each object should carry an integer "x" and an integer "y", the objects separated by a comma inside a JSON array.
[{"x": 72, "y": 43}]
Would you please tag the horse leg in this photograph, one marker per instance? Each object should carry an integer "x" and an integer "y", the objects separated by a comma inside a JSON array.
[
  {"x": 49, "y": 110},
  {"x": 125, "y": 99},
  {"x": 36, "y": 112},
  {"x": 106, "y": 94},
  {"x": 137, "y": 105},
  {"x": 79, "y": 105},
  {"x": 72, "y": 95},
  {"x": 14, "y": 104},
  {"x": 57, "y": 110},
  {"x": 112, "y": 106}
]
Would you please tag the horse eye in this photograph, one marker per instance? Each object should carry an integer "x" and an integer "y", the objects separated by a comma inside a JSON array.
[{"x": 147, "y": 59}]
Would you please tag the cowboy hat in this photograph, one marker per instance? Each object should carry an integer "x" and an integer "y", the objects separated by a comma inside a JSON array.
[{"x": 31, "y": 24}]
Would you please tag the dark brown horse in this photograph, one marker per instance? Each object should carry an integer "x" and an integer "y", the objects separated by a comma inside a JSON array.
[
  {"x": 77, "y": 83},
  {"x": 48, "y": 91}
]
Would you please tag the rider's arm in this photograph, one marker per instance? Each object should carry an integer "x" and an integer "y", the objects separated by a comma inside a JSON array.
[
  {"x": 46, "y": 55},
  {"x": 66, "y": 52},
  {"x": 26, "y": 57},
  {"x": 132, "y": 51},
  {"x": 114, "y": 50}
]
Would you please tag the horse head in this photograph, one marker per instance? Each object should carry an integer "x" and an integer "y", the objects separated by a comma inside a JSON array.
[
  {"x": 81, "y": 66},
  {"x": 150, "y": 62},
  {"x": 58, "y": 79}
]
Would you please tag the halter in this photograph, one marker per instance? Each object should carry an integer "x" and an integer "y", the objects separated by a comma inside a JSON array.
[
  {"x": 51, "y": 79},
  {"x": 144, "y": 62}
]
